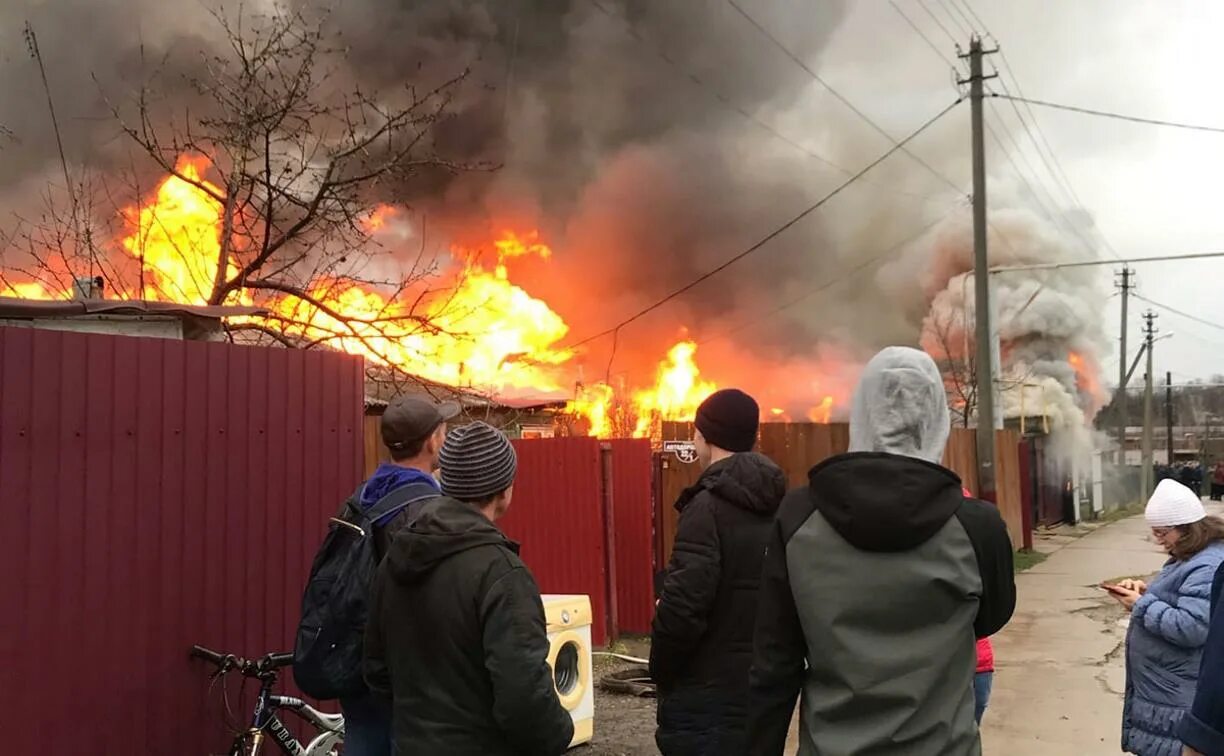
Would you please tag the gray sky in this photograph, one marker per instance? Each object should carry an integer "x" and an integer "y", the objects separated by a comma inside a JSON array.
[{"x": 1149, "y": 190}]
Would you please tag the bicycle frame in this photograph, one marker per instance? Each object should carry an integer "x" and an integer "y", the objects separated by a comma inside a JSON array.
[{"x": 265, "y": 722}]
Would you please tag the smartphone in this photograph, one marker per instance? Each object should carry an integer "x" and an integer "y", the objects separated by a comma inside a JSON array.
[{"x": 1112, "y": 588}]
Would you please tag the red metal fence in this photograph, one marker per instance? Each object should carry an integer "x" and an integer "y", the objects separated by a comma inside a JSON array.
[
  {"x": 155, "y": 494},
  {"x": 582, "y": 513}
]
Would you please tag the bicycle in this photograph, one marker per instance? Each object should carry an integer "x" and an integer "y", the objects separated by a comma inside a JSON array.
[{"x": 330, "y": 727}]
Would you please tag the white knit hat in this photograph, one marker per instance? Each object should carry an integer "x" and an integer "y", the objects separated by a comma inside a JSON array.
[{"x": 1173, "y": 504}]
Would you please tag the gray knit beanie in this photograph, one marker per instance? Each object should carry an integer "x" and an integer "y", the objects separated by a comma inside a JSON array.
[{"x": 477, "y": 462}]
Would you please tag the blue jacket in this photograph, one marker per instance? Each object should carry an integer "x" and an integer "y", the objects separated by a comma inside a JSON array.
[
  {"x": 1203, "y": 728},
  {"x": 1164, "y": 648}
]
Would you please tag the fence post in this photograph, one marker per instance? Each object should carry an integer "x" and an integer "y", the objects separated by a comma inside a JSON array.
[{"x": 609, "y": 513}]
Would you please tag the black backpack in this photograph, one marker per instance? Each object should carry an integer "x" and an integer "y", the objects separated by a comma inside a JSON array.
[{"x": 331, "y": 633}]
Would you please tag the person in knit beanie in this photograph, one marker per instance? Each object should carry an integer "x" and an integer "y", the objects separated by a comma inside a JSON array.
[
  {"x": 456, "y": 633},
  {"x": 1169, "y": 620},
  {"x": 701, "y": 640}
]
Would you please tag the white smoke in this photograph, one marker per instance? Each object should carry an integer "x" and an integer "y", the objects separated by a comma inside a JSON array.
[{"x": 1044, "y": 319}]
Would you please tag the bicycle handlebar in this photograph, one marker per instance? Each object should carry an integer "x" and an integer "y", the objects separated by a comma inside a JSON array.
[{"x": 248, "y": 667}]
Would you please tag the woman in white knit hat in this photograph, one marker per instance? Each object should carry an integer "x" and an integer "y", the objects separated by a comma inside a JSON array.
[{"x": 1169, "y": 619}]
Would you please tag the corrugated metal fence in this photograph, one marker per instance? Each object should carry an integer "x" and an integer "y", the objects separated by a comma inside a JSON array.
[
  {"x": 797, "y": 447},
  {"x": 155, "y": 494},
  {"x": 582, "y": 512}
]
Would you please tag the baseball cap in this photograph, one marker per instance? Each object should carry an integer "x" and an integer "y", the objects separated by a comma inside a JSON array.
[{"x": 409, "y": 419}]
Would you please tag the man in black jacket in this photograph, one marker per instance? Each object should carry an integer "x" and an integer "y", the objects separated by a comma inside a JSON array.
[
  {"x": 456, "y": 633},
  {"x": 701, "y": 644}
]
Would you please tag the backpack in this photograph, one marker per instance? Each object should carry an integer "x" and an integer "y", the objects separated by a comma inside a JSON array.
[{"x": 330, "y": 636}]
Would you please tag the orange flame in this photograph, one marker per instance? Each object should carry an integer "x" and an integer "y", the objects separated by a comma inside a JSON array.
[
  {"x": 821, "y": 412},
  {"x": 178, "y": 236},
  {"x": 1087, "y": 378}
]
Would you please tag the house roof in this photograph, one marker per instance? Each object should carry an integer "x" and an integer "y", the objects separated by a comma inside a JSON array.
[{"x": 13, "y": 307}]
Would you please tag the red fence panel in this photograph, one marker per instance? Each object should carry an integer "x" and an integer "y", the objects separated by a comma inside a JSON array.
[
  {"x": 633, "y": 521},
  {"x": 557, "y": 516},
  {"x": 155, "y": 494}
]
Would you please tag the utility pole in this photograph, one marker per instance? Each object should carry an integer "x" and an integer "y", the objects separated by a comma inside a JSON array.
[
  {"x": 1125, "y": 286},
  {"x": 1169, "y": 413},
  {"x": 985, "y": 378},
  {"x": 1146, "y": 473}
]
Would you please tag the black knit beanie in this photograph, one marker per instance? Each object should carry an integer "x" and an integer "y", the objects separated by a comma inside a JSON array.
[{"x": 728, "y": 419}]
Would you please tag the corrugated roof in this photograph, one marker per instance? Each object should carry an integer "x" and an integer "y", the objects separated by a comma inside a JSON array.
[{"x": 13, "y": 307}]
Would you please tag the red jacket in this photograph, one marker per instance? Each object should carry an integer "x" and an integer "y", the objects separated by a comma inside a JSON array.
[{"x": 985, "y": 652}]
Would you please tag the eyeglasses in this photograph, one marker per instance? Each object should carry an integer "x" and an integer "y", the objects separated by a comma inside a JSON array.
[{"x": 1160, "y": 533}]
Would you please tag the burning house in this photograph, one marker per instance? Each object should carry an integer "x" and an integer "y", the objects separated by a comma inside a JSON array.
[{"x": 480, "y": 227}]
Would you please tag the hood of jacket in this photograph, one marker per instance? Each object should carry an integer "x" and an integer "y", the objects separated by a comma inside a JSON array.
[
  {"x": 748, "y": 480},
  {"x": 884, "y": 502},
  {"x": 900, "y": 406},
  {"x": 443, "y": 529}
]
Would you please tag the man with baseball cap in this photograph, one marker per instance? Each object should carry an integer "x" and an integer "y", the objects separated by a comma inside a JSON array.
[
  {"x": 413, "y": 429},
  {"x": 701, "y": 643},
  {"x": 456, "y": 633}
]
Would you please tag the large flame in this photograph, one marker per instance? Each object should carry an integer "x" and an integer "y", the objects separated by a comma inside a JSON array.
[
  {"x": 479, "y": 330},
  {"x": 178, "y": 236}
]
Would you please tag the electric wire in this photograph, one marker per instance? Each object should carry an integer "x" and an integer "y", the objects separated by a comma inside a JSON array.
[
  {"x": 923, "y": 35},
  {"x": 1108, "y": 114},
  {"x": 838, "y": 95},
  {"x": 849, "y": 273},
  {"x": 773, "y": 234},
  {"x": 727, "y": 102},
  {"x": 1176, "y": 311}
]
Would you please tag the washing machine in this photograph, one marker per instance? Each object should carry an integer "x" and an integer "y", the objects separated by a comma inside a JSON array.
[{"x": 569, "y": 655}]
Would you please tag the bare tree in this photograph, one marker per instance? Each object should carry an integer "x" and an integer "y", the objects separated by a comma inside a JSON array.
[
  {"x": 296, "y": 162},
  {"x": 944, "y": 338}
]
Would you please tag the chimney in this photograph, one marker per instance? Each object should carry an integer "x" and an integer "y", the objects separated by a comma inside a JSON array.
[{"x": 87, "y": 288}]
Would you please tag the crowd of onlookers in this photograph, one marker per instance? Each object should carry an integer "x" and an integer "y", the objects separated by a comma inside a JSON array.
[{"x": 864, "y": 599}]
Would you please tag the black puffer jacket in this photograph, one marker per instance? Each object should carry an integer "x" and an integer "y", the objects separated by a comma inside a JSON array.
[
  {"x": 457, "y": 639},
  {"x": 701, "y": 644}
]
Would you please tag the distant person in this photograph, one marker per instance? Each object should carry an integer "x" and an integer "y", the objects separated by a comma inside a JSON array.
[
  {"x": 983, "y": 676},
  {"x": 456, "y": 634},
  {"x": 879, "y": 576},
  {"x": 701, "y": 644},
  {"x": 1217, "y": 481},
  {"x": 1202, "y": 729},
  {"x": 328, "y": 653},
  {"x": 1168, "y": 623}
]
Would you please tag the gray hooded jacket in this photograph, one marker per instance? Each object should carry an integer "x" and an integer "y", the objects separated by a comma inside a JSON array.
[{"x": 878, "y": 577}]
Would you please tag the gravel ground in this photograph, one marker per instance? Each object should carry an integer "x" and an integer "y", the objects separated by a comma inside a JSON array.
[{"x": 624, "y": 725}]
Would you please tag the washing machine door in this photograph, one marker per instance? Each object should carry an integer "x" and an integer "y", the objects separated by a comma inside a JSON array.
[{"x": 569, "y": 656}]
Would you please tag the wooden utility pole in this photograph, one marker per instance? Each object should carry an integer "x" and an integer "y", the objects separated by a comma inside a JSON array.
[{"x": 985, "y": 378}]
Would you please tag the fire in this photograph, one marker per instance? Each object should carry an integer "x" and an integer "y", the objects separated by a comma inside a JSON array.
[
  {"x": 1087, "y": 379},
  {"x": 30, "y": 290},
  {"x": 487, "y": 332},
  {"x": 821, "y": 412},
  {"x": 178, "y": 236},
  {"x": 478, "y": 329}
]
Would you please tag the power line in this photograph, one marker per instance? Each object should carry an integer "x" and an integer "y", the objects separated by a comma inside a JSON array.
[
  {"x": 841, "y": 98},
  {"x": 730, "y": 104},
  {"x": 967, "y": 28},
  {"x": 1176, "y": 311},
  {"x": 973, "y": 13},
  {"x": 938, "y": 23},
  {"x": 1052, "y": 164},
  {"x": 838, "y": 279},
  {"x": 1107, "y": 114},
  {"x": 922, "y": 34},
  {"x": 774, "y": 234}
]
